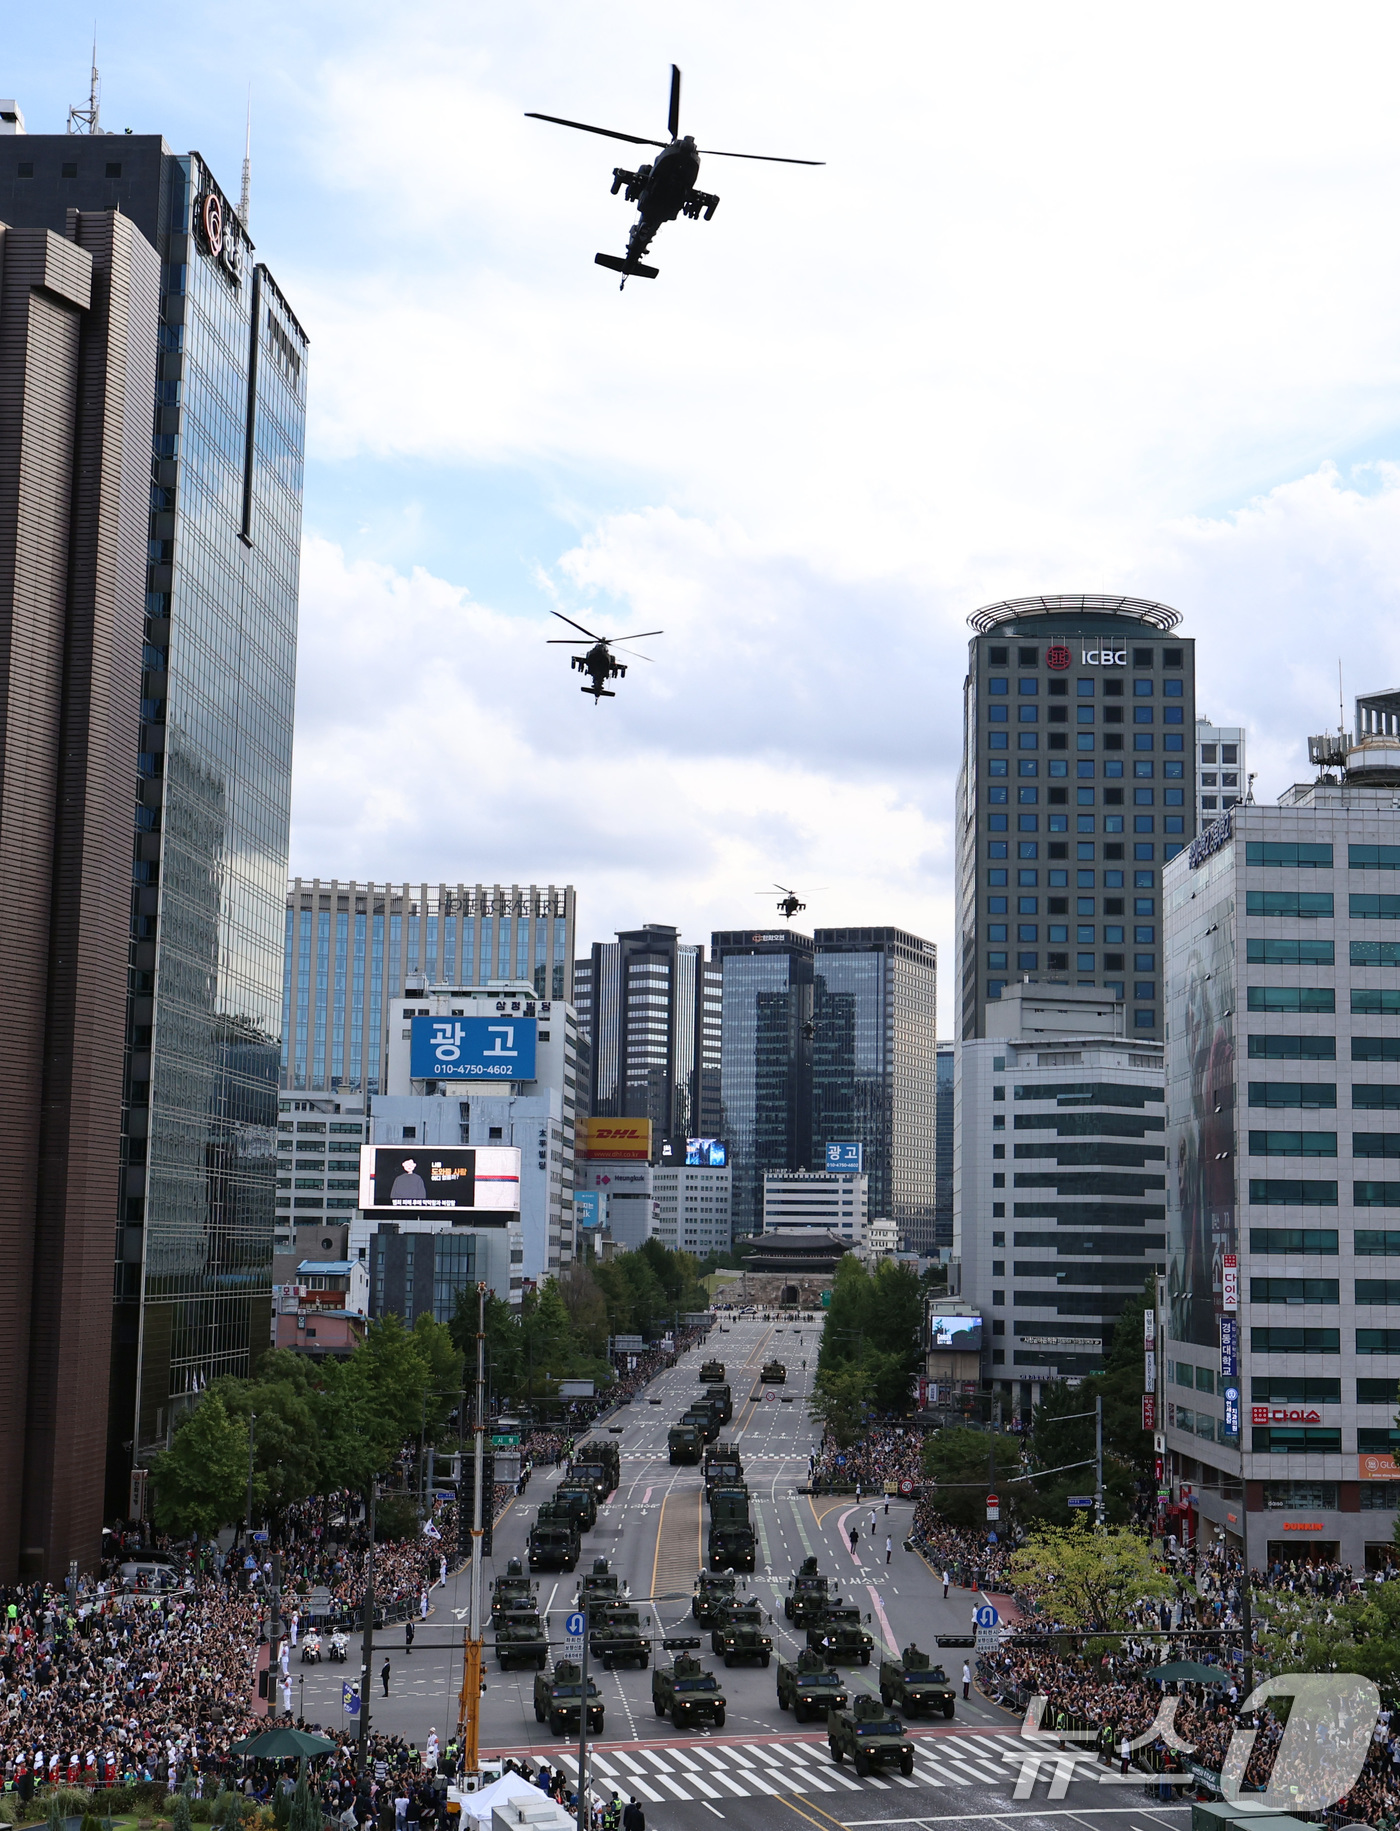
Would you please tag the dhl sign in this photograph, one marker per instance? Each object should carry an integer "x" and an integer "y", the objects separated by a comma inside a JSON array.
[{"x": 614, "y": 1140}]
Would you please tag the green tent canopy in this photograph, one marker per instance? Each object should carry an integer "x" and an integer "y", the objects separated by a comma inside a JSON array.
[
  {"x": 271, "y": 1744},
  {"x": 1192, "y": 1671}
]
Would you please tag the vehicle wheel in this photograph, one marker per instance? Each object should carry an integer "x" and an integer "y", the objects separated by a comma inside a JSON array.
[
  {"x": 885, "y": 1699},
  {"x": 645, "y": 1662},
  {"x": 729, "y": 1659},
  {"x": 862, "y": 1764},
  {"x": 836, "y": 1754},
  {"x": 948, "y": 1708},
  {"x": 865, "y": 1658},
  {"x": 765, "y": 1661},
  {"x": 539, "y": 1714},
  {"x": 659, "y": 1708},
  {"x": 541, "y": 1662},
  {"x": 783, "y": 1704},
  {"x": 906, "y": 1761},
  {"x": 799, "y": 1711}
]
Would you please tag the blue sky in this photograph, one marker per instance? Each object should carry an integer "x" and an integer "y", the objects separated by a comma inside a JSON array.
[{"x": 1103, "y": 299}]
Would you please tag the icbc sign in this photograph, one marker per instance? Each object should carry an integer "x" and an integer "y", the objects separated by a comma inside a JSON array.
[
  {"x": 1058, "y": 658},
  {"x": 1281, "y": 1414}
]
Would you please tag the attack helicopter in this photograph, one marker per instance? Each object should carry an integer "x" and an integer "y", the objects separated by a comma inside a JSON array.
[
  {"x": 789, "y": 903},
  {"x": 663, "y": 190},
  {"x": 599, "y": 663}
]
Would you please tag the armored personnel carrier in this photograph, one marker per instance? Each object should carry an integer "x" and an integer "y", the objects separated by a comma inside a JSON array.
[
  {"x": 809, "y": 1687},
  {"x": 687, "y": 1694},
  {"x": 600, "y": 1583},
  {"x": 870, "y": 1736},
  {"x": 712, "y": 1370},
  {"x": 735, "y": 1613},
  {"x": 615, "y": 1635},
  {"x": 559, "y": 1700},
  {"x": 774, "y": 1373},
  {"x": 838, "y": 1633},
  {"x": 915, "y": 1685},
  {"x": 520, "y": 1641},
  {"x": 743, "y": 1642}
]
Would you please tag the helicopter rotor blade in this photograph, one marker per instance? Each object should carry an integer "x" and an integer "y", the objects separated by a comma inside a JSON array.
[
  {"x": 711, "y": 152},
  {"x": 638, "y": 635},
  {"x": 566, "y": 642},
  {"x": 572, "y": 625},
  {"x": 635, "y": 653},
  {"x": 673, "y": 119},
  {"x": 583, "y": 127}
]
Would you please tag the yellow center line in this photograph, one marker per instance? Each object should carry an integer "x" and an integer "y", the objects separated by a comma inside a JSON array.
[{"x": 808, "y": 1816}]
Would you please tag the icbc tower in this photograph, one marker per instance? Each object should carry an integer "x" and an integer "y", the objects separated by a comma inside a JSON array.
[{"x": 1077, "y": 786}]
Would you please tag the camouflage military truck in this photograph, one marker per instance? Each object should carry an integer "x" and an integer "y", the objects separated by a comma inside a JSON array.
[
  {"x": 915, "y": 1685},
  {"x": 559, "y": 1700},
  {"x": 600, "y": 1583},
  {"x": 731, "y": 1537},
  {"x": 616, "y": 1636},
  {"x": 837, "y": 1632},
  {"x": 720, "y": 1402},
  {"x": 512, "y": 1590},
  {"x": 809, "y": 1687},
  {"x": 581, "y": 1502},
  {"x": 712, "y": 1370},
  {"x": 554, "y": 1539},
  {"x": 683, "y": 1442},
  {"x": 688, "y": 1695},
  {"x": 712, "y": 1594},
  {"x": 520, "y": 1641},
  {"x": 774, "y": 1373},
  {"x": 704, "y": 1421},
  {"x": 870, "y": 1736},
  {"x": 740, "y": 1631}
]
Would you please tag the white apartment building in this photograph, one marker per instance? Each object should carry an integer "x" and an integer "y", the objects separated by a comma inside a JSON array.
[
  {"x": 1282, "y": 1358},
  {"x": 1058, "y": 1180},
  {"x": 818, "y": 1201},
  {"x": 1221, "y": 777},
  {"x": 694, "y": 1207}
]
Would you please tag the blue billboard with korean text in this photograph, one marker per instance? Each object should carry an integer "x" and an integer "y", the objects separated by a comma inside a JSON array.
[
  {"x": 845, "y": 1159},
  {"x": 500, "y": 1048}
]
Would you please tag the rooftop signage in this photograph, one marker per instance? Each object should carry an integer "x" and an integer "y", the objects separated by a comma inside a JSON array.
[{"x": 1218, "y": 834}]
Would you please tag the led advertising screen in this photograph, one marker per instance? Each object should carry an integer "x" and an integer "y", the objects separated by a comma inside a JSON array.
[
  {"x": 400, "y": 1178},
  {"x": 707, "y": 1153},
  {"x": 963, "y": 1333},
  {"x": 590, "y": 1207},
  {"x": 500, "y": 1048}
]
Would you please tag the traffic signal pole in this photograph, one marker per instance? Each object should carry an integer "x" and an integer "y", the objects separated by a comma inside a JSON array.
[{"x": 469, "y": 1718}]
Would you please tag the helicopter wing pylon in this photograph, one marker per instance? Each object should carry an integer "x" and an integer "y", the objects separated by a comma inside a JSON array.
[{"x": 628, "y": 269}]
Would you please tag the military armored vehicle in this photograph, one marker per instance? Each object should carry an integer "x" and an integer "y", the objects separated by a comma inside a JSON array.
[
  {"x": 712, "y": 1595},
  {"x": 520, "y": 1641},
  {"x": 581, "y": 1502},
  {"x": 735, "y": 1614},
  {"x": 743, "y": 1641},
  {"x": 704, "y": 1421},
  {"x": 600, "y": 1583},
  {"x": 809, "y": 1687},
  {"x": 774, "y": 1373},
  {"x": 838, "y": 1633},
  {"x": 808, "y": 1594},
  {"x": 684, "y": 1442},
  {"x": 712, "y": 1370},
  {"x": 596, "y": 1465},
  {"x": 870, "y": 1736},
  {"x": 559, "y": 1700},
  {"x": 512, "y": 1590},
  {"x": 731, "y": 1538},
  {"x": 915, "y": 1685},
  {"x": 615, "y": 1634},
  {"x": 687, "y": 1694},
  {"x": 554, "y": 1539}
]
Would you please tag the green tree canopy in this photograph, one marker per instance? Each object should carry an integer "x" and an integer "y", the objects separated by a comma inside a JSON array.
[
  {"x": 201, "y": 1480},
  {"x": 1088, "y": 1579},
  {"x": 960, "y": 1463},
  {"x": 875, "y": 1322}
]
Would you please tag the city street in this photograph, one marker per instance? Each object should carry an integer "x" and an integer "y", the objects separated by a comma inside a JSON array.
[{"x": 651, "y": 1531}]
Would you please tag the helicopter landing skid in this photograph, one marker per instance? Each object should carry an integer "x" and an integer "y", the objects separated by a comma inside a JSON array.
[{"x": 628, "y": 269}]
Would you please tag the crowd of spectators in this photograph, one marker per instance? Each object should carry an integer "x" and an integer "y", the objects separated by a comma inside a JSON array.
[{"x": 886, "y": 1453}]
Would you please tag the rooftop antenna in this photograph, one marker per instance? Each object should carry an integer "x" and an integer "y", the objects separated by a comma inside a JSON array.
[
  {"x": 246, "y": 193},
  {"x": 86, "y": 120},
  {"x": 1341, "y": 702}
]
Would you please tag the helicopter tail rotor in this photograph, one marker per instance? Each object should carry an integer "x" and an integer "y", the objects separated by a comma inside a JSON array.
[{"x": 673, "y": 119}]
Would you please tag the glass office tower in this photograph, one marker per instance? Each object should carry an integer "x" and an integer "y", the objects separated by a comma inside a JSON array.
[
  {"x": 1077, "y": 786},
  {"x": 212, "y": 779},
  {"x": 874, "y": 1080},
  {"x": 766, "y": 1060}
]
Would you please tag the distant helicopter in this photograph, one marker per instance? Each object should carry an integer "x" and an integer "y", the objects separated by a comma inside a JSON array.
[
  {"x": 663, "y": 190},
  {"x": 789, "y": 903},
  {"x": 598, "y": 663}
]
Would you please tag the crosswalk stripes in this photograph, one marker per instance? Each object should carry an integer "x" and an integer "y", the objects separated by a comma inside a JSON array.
[{"x": 734, "y": 1770}]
